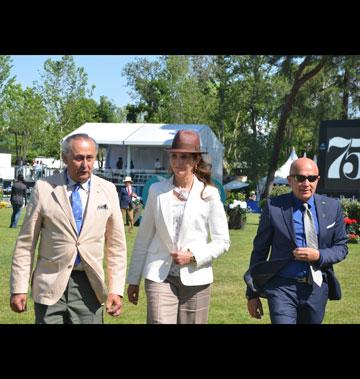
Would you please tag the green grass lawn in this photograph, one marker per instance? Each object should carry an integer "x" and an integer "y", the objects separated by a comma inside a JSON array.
[{"x": 228, "y": 303}]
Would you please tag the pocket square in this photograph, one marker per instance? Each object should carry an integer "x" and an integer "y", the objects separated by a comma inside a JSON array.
[
  {"x": 104, "y": 206},
  {"x": 330, "y": 226}
]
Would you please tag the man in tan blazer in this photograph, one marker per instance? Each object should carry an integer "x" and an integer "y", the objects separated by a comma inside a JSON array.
[{"x": 68, "y": 282}]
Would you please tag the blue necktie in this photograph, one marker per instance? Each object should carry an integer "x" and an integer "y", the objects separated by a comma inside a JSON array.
[{"x": 77, "y": 212}]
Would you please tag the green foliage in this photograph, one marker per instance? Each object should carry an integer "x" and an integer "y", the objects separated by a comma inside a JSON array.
[
  {"x": 24, "y": 119},
  {"x": 351, "y": 208},
  {"x": 109, "y": 112},
  {"x": 63, "y": 88},
  {"x": 277, "y": 190}
]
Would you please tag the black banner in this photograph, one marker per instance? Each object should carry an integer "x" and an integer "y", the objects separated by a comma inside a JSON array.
[{"x": 339, "y": 157}]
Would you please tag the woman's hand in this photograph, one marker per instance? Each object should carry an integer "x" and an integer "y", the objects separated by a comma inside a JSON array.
[{"x": 181, "y": 257}]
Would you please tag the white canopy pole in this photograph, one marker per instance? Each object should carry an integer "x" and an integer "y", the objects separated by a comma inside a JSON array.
[{"x": 128, "y": 160}]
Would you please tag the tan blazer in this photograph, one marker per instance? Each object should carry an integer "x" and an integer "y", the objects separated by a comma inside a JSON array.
[
  {"x": 204, "y": 230},
  {"x": 50, "y": 216}
]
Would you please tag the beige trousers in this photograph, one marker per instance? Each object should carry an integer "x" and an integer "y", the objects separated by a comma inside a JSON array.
[
  {"x": 171, "y": 302},
  {"x": 130, "y": 214}
]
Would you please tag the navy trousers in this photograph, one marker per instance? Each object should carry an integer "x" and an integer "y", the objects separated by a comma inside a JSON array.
[
  {"x": 291, "y": 302},
  {"x": 15, "y": 215}
]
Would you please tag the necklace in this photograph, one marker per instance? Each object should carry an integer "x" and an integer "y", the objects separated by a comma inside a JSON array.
[{"x": 181, "y": 193}]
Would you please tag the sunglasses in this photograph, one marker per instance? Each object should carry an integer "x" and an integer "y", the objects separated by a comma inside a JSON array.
[{"x": 302, "y": 178}]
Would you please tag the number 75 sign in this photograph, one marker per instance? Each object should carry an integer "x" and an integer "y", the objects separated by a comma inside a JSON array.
[
  {"x": 347, "y": 163},
  {"x": 339, "y": 156}
]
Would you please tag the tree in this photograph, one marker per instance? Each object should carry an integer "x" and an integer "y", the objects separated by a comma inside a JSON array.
[
  {"x": 299, "y": 74},
  {"x": 109, "y": 112},
  {"x": 24, "y": 115},
  {"x": 62, "y": 85},
  {"x": 5, "y": 82}
]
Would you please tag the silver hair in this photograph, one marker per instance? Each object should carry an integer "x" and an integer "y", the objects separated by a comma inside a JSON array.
[{"x": 66, "y": 144}]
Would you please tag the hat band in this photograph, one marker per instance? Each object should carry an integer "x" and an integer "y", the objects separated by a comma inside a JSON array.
[{"x": 185, "y": 146}]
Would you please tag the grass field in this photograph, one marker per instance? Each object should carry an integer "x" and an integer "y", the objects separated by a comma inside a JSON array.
[{"x": 228, "y": 303}]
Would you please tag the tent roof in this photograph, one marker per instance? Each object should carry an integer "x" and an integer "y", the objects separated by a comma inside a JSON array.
[
  {"x": 134, "y": 133},
  {"x": 235, "y": 184},
  {"x": 284, "y": 170}
]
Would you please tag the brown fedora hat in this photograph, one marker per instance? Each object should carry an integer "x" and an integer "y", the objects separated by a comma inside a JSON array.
[{"x": 186, "y": 141}]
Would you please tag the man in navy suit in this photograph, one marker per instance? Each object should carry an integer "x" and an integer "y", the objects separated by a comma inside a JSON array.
[
  {"x": 126, "y": 203},
  {"x": 298, "y": 287}
]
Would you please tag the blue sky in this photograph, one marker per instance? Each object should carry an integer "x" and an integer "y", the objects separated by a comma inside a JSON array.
[{"x": 105, "y": 71}]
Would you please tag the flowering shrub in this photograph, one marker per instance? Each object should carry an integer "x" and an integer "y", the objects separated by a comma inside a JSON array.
[
  {"x": 4, "y": 204},
  {"x": 352, "y": 226}
]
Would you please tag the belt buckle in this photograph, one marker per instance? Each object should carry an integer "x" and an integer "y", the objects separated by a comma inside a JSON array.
[{"x": 302, "y": 280}]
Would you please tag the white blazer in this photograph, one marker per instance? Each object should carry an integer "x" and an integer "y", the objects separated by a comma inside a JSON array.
[{"x": 204, "y": 230}]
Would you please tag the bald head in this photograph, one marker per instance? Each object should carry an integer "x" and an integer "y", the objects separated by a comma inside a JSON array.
[
  {"x": 303, "y": 178},
  {"x": 304, "y": 164}
]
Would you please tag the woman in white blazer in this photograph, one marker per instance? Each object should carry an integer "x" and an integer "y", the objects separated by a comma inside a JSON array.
[{"x": 183, "y": 228}]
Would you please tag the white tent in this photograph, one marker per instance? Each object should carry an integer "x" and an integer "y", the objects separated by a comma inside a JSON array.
[
  {"x": 143, "y": 143},
  {"x": 6, "y": 171},
  {"x": 281, "y": 173}
]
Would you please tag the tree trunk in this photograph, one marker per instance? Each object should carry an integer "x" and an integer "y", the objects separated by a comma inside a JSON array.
[
  {"x": 346, "y": 95},
  {"x": 285, "y": 113}
]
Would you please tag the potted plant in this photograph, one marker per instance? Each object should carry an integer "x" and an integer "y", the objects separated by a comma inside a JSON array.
[{"x": 236, "y": 209}]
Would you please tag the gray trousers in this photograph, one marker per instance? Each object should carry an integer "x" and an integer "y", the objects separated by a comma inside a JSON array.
[
  {"x": 171, "y": 302},
  {"x": 78, "y": 304}
]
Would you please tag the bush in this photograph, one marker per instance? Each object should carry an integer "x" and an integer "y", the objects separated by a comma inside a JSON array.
[
  {"x": 351, "y": 210},
  {"x": 276, "y": 191}
]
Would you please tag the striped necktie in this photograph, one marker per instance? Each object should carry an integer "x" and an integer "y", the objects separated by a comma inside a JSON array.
[
  {"x": 311, "y": 241},
  {"x": 77, "y": 212}
]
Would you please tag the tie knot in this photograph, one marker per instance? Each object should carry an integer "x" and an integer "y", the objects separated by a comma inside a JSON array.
[
  {"x": 76, "y": 187},
  {"x": 306, "y": 206}
]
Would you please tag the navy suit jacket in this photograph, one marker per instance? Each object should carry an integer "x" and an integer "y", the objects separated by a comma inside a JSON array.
[
  {"x": 276, "y": 231},
  {"x": 125, "y": 199}
]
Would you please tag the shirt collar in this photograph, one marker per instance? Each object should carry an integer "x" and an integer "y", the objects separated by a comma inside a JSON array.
[
  {"x": 298, "y": 203},
  {"x": 70, "y": 183}
]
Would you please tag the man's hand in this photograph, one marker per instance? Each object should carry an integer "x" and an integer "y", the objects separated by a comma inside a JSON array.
[
  {"x": 306, "y": 254},
  {"x": 133, "y": 293},
  {"x": 255, "y": 307},
  {"x": 113, "y": 304},
  {"x": 18, "y": 302}
]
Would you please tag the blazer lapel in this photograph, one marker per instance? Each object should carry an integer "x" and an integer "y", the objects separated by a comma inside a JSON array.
[
  {"x": 60, "y": 192},
  {"x": 90, "y": 209},
  {"x": 320, "y": 204},
  {"x": 166, "y": 204},
  {"x": 287, "y": 211}
]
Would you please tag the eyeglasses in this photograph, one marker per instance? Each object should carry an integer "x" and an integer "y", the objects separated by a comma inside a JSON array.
[{"x": 302, "y": 178}]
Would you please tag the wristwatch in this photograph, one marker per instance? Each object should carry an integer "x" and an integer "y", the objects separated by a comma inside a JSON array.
[{"x": 192, "y": 258}]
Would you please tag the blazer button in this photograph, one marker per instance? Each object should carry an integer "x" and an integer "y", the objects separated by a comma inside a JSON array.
[
  {"x": 70, "y": 266},
  {"x": 77, "y": 243}
]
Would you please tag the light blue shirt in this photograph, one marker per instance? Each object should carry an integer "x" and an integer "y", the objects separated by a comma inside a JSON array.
[{"x": 83, "y": 191}]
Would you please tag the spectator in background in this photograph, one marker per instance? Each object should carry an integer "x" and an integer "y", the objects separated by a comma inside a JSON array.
[
  {"x": 119, "y": 164},
  {"x": 38, "y": 170},
  {"x": 17, "y": 199},
  {"x": 157, "y": 164},
  {"x": 252, "y": 195},
  {"x": 126, "y": 195}
]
